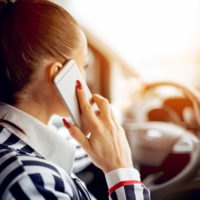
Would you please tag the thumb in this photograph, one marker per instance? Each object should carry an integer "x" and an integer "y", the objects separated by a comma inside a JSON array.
[{"x": 77, "y": 134}]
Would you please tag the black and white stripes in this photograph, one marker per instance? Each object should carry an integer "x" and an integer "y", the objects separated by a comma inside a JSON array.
[
  {"x": 133, "y": 192},
  {"x": 25, "y": 175}
]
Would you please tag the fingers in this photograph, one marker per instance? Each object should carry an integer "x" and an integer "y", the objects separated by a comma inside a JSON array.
[
  {"x": 104, "y": 106},
  {"x": 114, "y": 120},
  {"x": 77, "y": 134},
  {"x": 85, "y": 106}
]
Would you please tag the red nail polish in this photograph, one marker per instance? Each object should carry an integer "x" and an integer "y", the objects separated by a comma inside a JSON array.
[
  {"x": 67, "y": 125},
  {"x": 78, "y": 84}
]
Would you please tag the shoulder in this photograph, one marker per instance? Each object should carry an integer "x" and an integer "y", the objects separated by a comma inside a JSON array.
[{"x": 25, "y": 175}]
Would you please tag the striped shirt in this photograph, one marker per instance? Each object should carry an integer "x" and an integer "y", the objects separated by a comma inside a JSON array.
[{"x": 37, "y": 165}]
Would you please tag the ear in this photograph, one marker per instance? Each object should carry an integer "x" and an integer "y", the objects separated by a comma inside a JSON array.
[{"x": 53, "y": 70}]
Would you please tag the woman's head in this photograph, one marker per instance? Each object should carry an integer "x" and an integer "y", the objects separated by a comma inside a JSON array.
[{"x": 33, "y": 35}]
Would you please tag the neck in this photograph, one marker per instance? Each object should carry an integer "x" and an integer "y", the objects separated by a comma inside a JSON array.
[{"x": 38, "y": 110}]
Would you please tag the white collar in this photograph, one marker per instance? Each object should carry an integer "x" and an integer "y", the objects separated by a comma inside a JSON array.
[{"x": 43, "y": 139}]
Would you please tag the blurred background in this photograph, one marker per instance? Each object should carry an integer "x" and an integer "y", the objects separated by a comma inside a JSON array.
[
  {"x": 157, "y": 38},
  {"x": 130, "y": 41}
]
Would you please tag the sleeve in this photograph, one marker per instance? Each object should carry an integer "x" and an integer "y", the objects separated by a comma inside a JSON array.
[
  {"x": 37, "y": 186},
  {"x": 124, "y": 184}
]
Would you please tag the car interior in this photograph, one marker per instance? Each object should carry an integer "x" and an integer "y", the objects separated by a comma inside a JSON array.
[
  {"x": 162, "y": 125},
  {"x": 165, "y": 147}
]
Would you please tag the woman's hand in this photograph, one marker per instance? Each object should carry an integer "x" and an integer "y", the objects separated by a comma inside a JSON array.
[{"x": 107, "y": 145}]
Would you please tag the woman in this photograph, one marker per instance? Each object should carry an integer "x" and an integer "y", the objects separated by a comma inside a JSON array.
[{"x": 36, "y": 38}]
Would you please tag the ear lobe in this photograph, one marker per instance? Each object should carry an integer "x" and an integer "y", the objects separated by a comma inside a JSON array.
[{"x": 54, "y": 69}]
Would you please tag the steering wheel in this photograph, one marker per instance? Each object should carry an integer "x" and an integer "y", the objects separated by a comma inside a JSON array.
[{"x": 152, "y": 141}]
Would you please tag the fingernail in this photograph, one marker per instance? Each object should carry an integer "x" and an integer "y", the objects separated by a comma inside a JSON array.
[
  {"x": 67, "y": 125},
  {"x": 78, "y": 84},
  {"x": 91, "y": 100}
]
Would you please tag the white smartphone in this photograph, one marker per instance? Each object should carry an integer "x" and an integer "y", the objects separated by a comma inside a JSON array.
[{"x": 65, "y": 82}]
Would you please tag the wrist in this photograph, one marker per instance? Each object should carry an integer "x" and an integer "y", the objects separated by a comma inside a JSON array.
[
  {"x": 123, "y": 175},
  {"x": 106, "y": 170}
]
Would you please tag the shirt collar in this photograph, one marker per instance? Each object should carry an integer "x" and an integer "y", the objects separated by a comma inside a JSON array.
[{"x": 43, "y": 139}]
